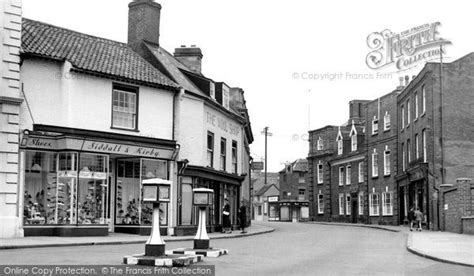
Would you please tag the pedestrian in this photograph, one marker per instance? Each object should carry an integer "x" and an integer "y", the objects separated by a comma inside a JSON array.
[
  {"x": 226, "y": 217},
  {"x": 418, "y": 218},
  {"x": 411, "y": 218},
  {"x": 243, "y": 217}
]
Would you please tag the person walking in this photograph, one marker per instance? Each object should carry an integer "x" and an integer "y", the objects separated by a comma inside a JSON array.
[
  {"x": 226, "y": 217},
  {"x": 411, "y": 218},
  {"x": 243, "y": 217},
  {"x": 418, "y": 218}
]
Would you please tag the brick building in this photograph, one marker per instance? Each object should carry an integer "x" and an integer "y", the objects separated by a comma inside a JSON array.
[
  {"x": 294, "y": 191},
  {"x": 435, "y": 139},
  {"x": 382, "y": 159},
  {"x": 321, "y": 150}
]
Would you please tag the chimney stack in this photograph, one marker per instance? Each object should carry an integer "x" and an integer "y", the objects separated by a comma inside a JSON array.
[
  {"x": 189, "y": 56},
  {"x": 407, "y": 80},
  {"x": 143, "y": 22}
]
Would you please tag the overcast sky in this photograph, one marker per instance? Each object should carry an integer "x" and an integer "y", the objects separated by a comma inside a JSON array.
[{"x": 260, "y": 45}]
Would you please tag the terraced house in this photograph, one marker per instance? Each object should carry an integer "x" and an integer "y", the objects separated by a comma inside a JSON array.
[{"x": 96, "y": 117}]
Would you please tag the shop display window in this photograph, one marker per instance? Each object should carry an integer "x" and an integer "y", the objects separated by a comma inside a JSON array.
[
  {"x": 52, "y": 194},
  {"x": 130, "y": 210},
  {"x": 40, "y": 188},
  {"x": 92, "y": 189}
]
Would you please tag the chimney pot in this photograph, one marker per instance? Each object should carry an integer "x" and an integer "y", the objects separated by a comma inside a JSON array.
[
  {"x": 407, "y": 80},
  {"x": 190, "y": 56}
]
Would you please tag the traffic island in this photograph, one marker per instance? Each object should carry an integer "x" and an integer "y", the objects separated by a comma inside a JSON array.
[
  {"x": 157, "y": 191},
  {"x": 209, "y": 252},
  {"x": 202, "y": 197},
  {"x": 167, "y": 260}
]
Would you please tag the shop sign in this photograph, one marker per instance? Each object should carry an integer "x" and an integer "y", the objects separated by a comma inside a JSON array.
[
  {"x": 222, "y": 123},
  {"x": 257, "y": 166},
  {"x": 40, "y": 143},
  {"x": 67, "y": 173},
  {"x": 103, "y": 147},
  {"x": 272, "y": 198}
]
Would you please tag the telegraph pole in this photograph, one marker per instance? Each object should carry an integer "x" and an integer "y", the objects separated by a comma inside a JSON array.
[{"x": 266, "y": 133}]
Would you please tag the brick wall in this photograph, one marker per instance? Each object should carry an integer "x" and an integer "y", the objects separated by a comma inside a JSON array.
[{"x": 10, "y": 31}]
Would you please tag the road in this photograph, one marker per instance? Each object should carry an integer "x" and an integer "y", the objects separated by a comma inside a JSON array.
[{"x": 292, "y": 249}]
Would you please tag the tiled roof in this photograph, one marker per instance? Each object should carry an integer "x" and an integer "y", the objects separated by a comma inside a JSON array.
[
  {"x": 89, "y": 53},
  {"x": 173, "y": 67},
  {"x": 264, "y": 189}
]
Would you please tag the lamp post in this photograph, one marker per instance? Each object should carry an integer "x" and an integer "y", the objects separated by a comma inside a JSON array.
[
  {"x": 202, "y": 197},
  {"x": 155, "y": 191}
]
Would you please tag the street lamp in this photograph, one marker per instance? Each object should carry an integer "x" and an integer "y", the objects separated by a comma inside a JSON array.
[
  {"x": 202, "y": 197},
  {"x": 155, "y": 191}
]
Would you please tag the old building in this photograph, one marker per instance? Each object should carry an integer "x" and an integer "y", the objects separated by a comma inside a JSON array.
[
  {"x": 382, "y": 159},
  {"x": 211, "y": 120},
  {"x": 258, "y": 186},
  {"x": 322, "y": 148},
  {"x": 435, "y": 136},
  {"x": 10, "y": 101},
  {"x": 262, "y": 203},
  {"x": 294, "y": 204}
]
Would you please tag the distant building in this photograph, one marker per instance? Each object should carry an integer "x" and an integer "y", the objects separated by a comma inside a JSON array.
[
  {"x": 258, "y": 185},
  {"x": 262, "y": 200},
  {"x": 294, "y": 204}
]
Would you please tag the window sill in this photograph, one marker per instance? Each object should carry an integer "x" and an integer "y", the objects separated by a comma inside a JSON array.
[
  {"x": 386, "y": 175},
  {"x": 385, "y": 130},
  {"x": 373, "y": 134},
  {"x": 126, "y": 129},
  {"x": 423, "y": 114},
  {"x": 375, "y": 176}
]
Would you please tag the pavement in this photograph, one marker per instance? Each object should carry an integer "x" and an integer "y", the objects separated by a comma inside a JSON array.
[
  {"x": 440, "y": 246},
  {"x": 117, "y": 238}
]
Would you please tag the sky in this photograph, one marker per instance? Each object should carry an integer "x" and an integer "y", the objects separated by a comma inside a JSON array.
[{"x": 299, "y": 62}]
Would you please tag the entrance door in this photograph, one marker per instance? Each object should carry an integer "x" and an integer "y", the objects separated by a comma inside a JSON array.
[{"x": 354, "y": 211}]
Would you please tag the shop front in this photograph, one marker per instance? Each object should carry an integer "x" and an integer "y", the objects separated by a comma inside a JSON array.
[
  {"x": 273, "y": 208},
  {"x": 80, "y": 182},
  {"x": 294, "y": 211},
  {"x": 226, "y": 188}
]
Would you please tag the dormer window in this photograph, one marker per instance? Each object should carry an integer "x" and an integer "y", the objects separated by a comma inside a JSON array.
[
  {"x": 386, "y": 120},
  {"x": 375, "y": 125},
  {"x": 353, "y": 136},
  {"x": 320, "y": 144},
  {"x": 212, "y": 90},
  {"x": 339, "y": 141},
  {"x": 225, "y": 98}
]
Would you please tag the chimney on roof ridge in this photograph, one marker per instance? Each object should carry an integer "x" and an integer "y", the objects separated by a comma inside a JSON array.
[
  {"x": 190, "y": 56},
  {"x": 407, "y": 80},
  {"x": 143, "y": 21}
]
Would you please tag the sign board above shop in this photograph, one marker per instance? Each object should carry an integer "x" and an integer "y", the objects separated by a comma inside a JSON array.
[{"x": 76, "y": 144}]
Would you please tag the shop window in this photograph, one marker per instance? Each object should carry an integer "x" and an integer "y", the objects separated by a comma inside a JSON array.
[
  {"x": 210, "y": 149},
  {"x": 124, "y": 107},
  {"x": 92, "y": 191},
  {"x": 153, "y": 169},
  {"x": 40, "y": 188},
  {"x": 223, "y": 154},
  {"x": 234, "y": 157},
  {"x": 64, "y": 194}
]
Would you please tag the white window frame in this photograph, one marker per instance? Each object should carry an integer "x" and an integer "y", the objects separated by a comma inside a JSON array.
[
  {"x": 374, "y": 206},
  {"x": 417, "y": 146},
  {"x": 386, "y": 120},
  {"x": 375, "y": 165},
  {"x": 320, "y": 144},
  {"x": 223, "y": 154},
  {"x": 386, "y": 161},
  {"x": 409, "y": 151},
  {"x": 348, "y": 204},
  {"x": 375, "y": 125},
  {"x": 416, "y": 106},
  {"x": 408, "y": 113},
  {"x": 423, "y": 134},
  {"x": 348, "y": 174},
  {"x": 341, "y": 204},
  {"x": 403, "y": 116},
  {"x": 387, "y": 204},
  {"x": 341, "y": 176},
  {"x": 225, "y": 98},
  {"x": 361, "y": 172},
  {"x": 404, "y": 157},
  {"x": 361, "y": 203},
  {"x": 320, "y": 204},
  {"x": 340, "y": 148},
  {"x": 354, "y": 142},
  {"x": 124, "y": 108},
  {"x": 423, "y": 100},
  {"x": 210, "y": 149},
  {"x": 320, "y": 173}
]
